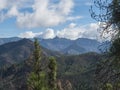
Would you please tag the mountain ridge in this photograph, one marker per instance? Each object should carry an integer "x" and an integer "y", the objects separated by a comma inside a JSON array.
[{"x": 63, "y": 45}]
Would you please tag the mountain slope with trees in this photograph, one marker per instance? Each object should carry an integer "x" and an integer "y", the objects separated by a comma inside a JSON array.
[
  {"x": 78, "y": 70},
  {"x": 18, "y": 51}
]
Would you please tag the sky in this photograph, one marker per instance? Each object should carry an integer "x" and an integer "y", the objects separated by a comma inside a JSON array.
[{"x": 47, "y": 19}]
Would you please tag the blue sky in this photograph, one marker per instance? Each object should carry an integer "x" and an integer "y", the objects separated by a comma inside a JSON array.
[{"x": 47, "y": 19}]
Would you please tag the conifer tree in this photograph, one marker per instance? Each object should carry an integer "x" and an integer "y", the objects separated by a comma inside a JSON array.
[
  {"x": 37, "y": 78},
  {"x": 37, "y": 57},
  {"x": 52, "y": 73}
]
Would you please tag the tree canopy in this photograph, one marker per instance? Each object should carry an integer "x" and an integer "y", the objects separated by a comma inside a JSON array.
[
  {"x": 108, "y": 15},
  {"x": 108, "y": 71}
]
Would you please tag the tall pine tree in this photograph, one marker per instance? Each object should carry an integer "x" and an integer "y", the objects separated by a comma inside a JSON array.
[
  {"x": 37, "y": 78},
  {"x": 52, "y": 74}
]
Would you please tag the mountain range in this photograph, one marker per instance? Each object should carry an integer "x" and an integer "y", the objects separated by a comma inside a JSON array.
[
  {"x": 7, "y": 40},
  {"x": 64, "y": 46}
]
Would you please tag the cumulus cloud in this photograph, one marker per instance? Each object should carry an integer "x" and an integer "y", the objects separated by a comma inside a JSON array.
[
  {"x": 13, "y": 12},
  {"x": 37, "y": 13},
  {"x": 48, "y": 34},
  {"x": 71, "y": 25},
  {"x": 65, "y": 6},
  {"x": 72, "y": 31},
  {"x": 46, "y": 14},
  {"x": 12, "y": 8},
  {"x": 7, "y": 4},
  {"x": 29, "y": 34},
  {"x": 91, "y": 31}
]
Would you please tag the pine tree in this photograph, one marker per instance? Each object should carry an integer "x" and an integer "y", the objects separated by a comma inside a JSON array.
[
  {"x": 37, "y": 57},
  {"x": 37, "y": 78},
  {"x": 52, "y": 74}
]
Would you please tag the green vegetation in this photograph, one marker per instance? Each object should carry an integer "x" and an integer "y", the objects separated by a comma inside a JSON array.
[
  {"x": 39, "y": 78},
  {"x": 108, "y": 69},
  {"x": 52, "y": 74},
  {"x": 74, "y": 72}
]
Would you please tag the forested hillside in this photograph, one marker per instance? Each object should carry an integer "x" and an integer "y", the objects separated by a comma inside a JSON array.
[{"x": 70, "y": 68}]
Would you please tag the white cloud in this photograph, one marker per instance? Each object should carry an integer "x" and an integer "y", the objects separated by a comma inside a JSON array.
[
  {"x": 69, "y": 33},
  {"x": 28, "y": 34},
  {"x": 72, "y": 25},
  {"x": 13, "y": 12},
  {"x": 43, "y": 12},
  {"x": 11, "y": 8},
  {"x": 48, "y": 34},
  {"x": 7, "y": 4},
  {"x": 72, "y": 31},
  {"x": 65, "y": 6},
  {"x": 74, "y": 18},
  {"x": 91, "y": 31}
]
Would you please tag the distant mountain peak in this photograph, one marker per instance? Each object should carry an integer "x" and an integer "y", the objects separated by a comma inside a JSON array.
[
  {"x": 24, "y": 40},
  {"x": 58, "y": 38},
  {"x": 62, "y": 44}
]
